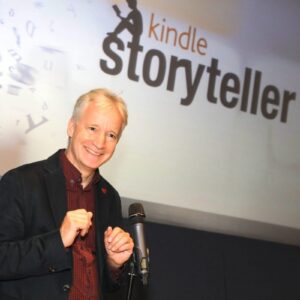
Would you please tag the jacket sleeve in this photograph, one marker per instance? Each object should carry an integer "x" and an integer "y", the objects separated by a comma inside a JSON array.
[{"x": 24, "y": 250}]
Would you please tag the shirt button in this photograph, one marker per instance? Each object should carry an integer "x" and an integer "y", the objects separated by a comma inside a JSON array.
[
  {"x": 66, "y": 287},
  {"x": 51, "y": 269}
]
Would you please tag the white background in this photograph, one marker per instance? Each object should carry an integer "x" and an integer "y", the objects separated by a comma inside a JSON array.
[{"x": 204, "y": 156}]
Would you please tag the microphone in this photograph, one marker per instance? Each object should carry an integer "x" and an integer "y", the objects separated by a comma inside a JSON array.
[{"x": 141, "y": 253}]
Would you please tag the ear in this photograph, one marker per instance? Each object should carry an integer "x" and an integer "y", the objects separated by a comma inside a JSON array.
[{"x": 71, "y": 127}]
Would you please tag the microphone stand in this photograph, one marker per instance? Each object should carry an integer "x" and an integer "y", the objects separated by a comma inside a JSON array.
[{"x": 132, "y": 275}]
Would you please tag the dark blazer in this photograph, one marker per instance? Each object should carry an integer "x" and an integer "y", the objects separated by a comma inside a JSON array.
[{"x": 33, "y": 261}]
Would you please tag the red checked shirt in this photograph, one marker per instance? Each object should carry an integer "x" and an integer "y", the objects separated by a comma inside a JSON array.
[{"x": 85, "y": 274}]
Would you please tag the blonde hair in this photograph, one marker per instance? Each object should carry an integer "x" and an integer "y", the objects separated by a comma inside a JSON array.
[{"x": 105, "y": 98}]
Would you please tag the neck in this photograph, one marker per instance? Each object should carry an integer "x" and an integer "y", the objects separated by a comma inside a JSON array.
[
  {"x": 86, "y": 175},
  {"x": 86, "y": 179}
]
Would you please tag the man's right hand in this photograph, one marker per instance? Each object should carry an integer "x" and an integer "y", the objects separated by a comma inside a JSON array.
[{"x": 75, "y": 222}]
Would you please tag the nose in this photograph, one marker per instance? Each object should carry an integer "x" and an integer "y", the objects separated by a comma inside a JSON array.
[{"x": 99, "y": 140}]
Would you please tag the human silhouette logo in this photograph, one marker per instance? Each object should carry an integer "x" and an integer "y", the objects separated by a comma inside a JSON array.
[{"x": 133, "y": 23}]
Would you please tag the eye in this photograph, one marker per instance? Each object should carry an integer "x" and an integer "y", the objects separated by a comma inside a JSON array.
[
  {"x": 91, "y": 128},
  {"x": 112, "y": 136}
]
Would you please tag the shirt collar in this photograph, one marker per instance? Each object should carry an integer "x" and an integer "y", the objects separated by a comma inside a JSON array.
[{"x": 72, "y": 174}]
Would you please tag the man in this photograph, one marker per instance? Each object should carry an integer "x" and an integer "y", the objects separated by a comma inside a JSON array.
[{"x": 59, "y": 219}]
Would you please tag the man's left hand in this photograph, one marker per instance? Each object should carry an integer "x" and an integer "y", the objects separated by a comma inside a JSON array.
[{"x": 118, "y": 245}]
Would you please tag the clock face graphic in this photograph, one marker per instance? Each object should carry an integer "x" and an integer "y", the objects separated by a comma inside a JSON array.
[
  {"x": 33, "y": 74},
  {"x": 19, "y": 72}
]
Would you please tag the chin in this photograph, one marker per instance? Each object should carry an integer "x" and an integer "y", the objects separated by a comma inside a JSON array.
[{"x": 96, "y": 164}]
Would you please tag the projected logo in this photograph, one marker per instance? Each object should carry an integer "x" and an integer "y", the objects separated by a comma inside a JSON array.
[
  {"x": 245, "y": 93},
  {"x": 133, "y": 23}
]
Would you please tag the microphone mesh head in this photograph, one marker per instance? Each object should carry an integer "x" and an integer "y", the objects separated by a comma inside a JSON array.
[{"x": 136, "y": 209}]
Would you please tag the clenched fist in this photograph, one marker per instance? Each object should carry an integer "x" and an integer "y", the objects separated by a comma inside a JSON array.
[
  {"x": 75, "y": 222},
  {"x": 118, "y": 245}
]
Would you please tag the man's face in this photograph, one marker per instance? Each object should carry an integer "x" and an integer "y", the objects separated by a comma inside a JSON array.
[{"x": 93, "y": 137}]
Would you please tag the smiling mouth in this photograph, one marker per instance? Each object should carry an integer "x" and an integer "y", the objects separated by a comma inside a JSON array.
[{"x": 95, "y": 153}]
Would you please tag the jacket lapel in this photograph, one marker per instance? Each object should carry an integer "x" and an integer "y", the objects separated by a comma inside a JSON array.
[
  {"x": 102, "y": 205},
  {"x": 56, "y": 188}
]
